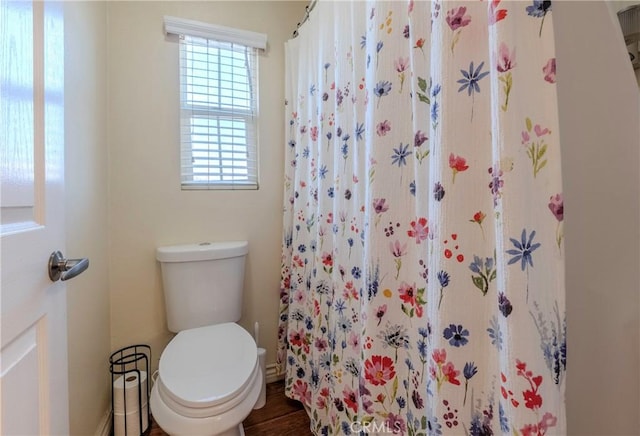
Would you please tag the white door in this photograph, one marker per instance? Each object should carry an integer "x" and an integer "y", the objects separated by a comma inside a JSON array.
[{"x": 33, "y": 349}]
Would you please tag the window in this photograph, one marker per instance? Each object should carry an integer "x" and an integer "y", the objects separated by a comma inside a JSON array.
[{"x": 218, "y": 105}]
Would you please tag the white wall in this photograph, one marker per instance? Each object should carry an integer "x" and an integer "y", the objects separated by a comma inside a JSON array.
[
  {"x": 600, "y": 133},
  {"x": 86, "y": 200},
  {"x": 147, "y": 207}
]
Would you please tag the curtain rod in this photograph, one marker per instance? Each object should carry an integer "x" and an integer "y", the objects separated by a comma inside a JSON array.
[{"x": 307, "y": 11}]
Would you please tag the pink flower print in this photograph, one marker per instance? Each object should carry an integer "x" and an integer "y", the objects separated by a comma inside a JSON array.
[
  {"x": 298, "y": 297},
  {"x": 540, "y": 429},
  {"x": 397, "y": 423},
  {"x": 556, "y": 206},
  {"x": 539, "y": 131},
  {"x": 401, "y": 65},
  {"x": 354, "y": 341},
  {"x": 506, "y": 62},
  {"x": 457, "y": 165},
  {"x": 314, "y": 133},
  {"x": 549, "y": 71},
  {"x": 536, "y": 148},
  {"x": 381, "y": 312},
  {"x": 397, "y": 249},
  {"x": 301, "y": 392},
  {"x": 506, "y": 58},
  {"x": 321, "y": 344},
  {"x": 456, "y": 18},
  {"x": 379, "y": 205},
  {"x": 321, "y": 403},
  {"x": 383, "y": 128},
  {"x": 496, "y": 14},
  {"x": 419, "y": 230}
]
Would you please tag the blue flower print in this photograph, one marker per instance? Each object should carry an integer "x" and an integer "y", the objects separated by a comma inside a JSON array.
[
  {"x": 456, "y": 335},
  {"x": 523, "y": 250},
  {"x": 359, "y": 131},
  {"x": 400, "y": 154},
  {"x": 470, "y": 369},
  {"x": 382, "y": 89},
  {"x": 539, "y": 9},
  {"x": 471, "y": 78}
]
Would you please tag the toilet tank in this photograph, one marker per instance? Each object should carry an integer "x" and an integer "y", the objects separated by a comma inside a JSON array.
[{"x": 202, "y": 283}]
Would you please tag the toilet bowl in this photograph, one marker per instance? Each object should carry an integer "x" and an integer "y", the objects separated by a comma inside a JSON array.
[{"x": 209, "y": 380}]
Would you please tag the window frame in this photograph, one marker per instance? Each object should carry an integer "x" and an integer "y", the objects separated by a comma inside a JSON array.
[{"x": 214, "y": 115}]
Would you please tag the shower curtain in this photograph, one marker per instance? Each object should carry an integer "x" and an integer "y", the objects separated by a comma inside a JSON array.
[{"x": 422, "y": 262}]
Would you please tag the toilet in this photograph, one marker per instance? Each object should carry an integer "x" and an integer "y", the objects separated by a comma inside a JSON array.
[{"x": 209, "y": 377}]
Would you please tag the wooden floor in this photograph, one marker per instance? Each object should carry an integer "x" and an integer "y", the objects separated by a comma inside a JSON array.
[{"x": 279, "y": 417}]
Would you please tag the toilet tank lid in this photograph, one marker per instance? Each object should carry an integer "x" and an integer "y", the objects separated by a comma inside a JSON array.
[{"x": 202, "y": 251}]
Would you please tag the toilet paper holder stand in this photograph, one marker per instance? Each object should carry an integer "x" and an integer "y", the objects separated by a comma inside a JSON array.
[{"x": 130, "y": 361}]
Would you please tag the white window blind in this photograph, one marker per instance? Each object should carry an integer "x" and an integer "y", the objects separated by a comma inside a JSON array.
[{"x": 218, "y": 108}]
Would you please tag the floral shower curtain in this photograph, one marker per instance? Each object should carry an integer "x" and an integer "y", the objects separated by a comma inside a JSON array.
[{"x": 422, "y": 267}]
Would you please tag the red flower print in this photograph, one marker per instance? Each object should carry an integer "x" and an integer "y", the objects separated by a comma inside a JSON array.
[
  {"x": 450, "y": 373},
  {"x": 350, "y": 399},
  {"x": 457, "y": 165},
  {"x": 439, "y": 356},
  {"x": 496, "y": 14},
  {"x": 407, "y": 293},
  {"x": 296, "y": 337},
  {"x": 298, "y": 261},
  {"x": 419, "y": 230},
  {"x": 478, "y": 217},
  {"x": 379, "y": 370},
  {"x": 327, "y": 260},
  {"x": 532, "y": 400}
]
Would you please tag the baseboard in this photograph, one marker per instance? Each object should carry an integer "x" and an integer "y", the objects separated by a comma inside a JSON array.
[
  {"x": 104, "y": 427},
  {"x": 272, "y": 374}
]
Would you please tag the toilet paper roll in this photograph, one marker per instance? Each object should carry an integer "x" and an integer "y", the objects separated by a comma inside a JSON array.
[
  {"x": 126, "y": 397},
  {"x": 132, "y": 425}
]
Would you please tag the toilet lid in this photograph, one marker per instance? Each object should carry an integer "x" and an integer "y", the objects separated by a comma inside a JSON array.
[{"x": 206, "y": 366}]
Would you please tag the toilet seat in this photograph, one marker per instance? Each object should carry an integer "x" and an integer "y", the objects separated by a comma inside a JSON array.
[{"x": 209, "y": 373}]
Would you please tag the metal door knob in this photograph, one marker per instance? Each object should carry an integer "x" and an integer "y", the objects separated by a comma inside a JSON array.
[{"x": 65, "y": 269}]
